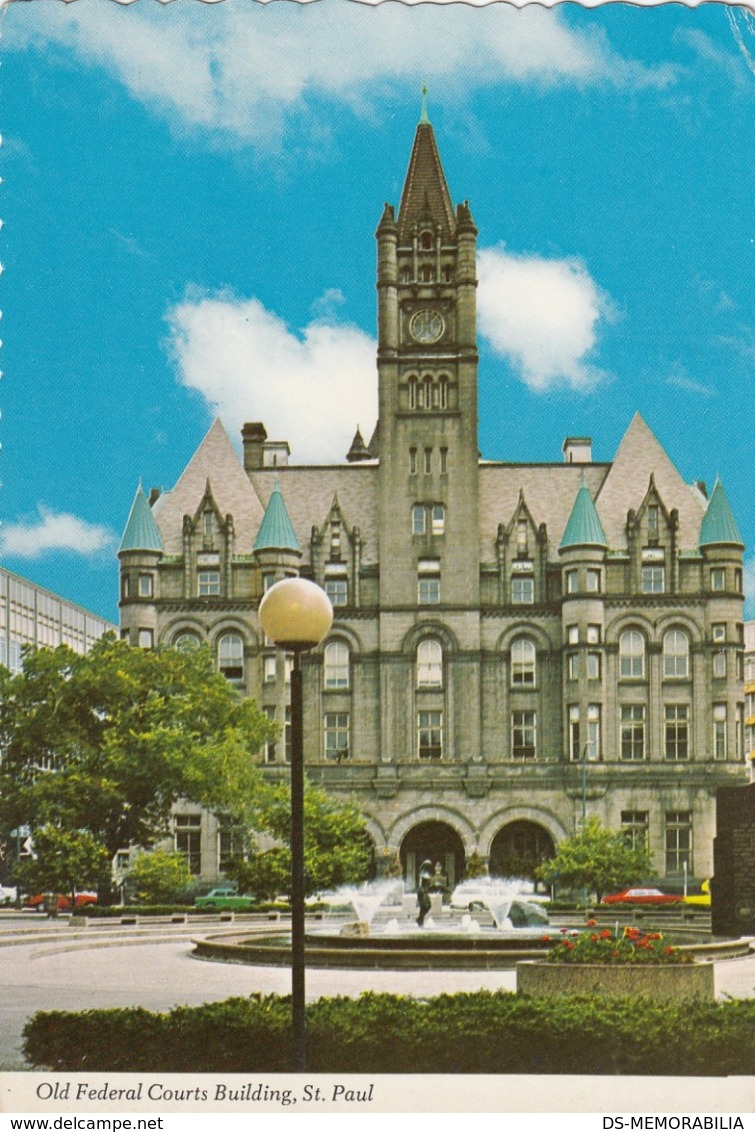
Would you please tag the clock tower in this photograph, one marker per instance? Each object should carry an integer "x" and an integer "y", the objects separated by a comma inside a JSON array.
[{"x": 427, "y": 367}]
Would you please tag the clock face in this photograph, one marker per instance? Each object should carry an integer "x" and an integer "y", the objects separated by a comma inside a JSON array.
[{"x": 426, "y": 326}]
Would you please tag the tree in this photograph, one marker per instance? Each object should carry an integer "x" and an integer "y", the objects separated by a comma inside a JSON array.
[
  {"x": 337, "y": 847},
  {"x": 64, "y": 861},
  {"x": 158, "y": 877},
  {"x": 106, "y": 743},
  {"x": 596, "y": 859}
]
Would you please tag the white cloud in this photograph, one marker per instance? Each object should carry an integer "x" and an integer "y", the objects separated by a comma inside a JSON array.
[
  {"x": 680, "y": 381},
  {"x": 543, "y": 315},
  {"x": 220, "y": 68},
  {"x": 51, "y": 532},
  {"x": 311, "y": 388}
]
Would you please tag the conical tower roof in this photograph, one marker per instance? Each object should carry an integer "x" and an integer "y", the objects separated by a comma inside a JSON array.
[
  {"x": 141, "y": 531},
  {"x": 276, "y": 529},
  {"x": 584, "y": 527},
  {"x": 358, "y": 450},
  {"x": 719, "y": 525},
  {"x": 425, "y": 195}
]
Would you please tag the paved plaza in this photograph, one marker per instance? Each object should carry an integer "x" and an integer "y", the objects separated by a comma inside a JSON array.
[{"x": 53, "y": 966}]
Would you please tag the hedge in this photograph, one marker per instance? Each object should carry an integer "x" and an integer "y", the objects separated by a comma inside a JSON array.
[
  {"x": 110, "y": 911},
  {"x": 483, "y": 1032}
]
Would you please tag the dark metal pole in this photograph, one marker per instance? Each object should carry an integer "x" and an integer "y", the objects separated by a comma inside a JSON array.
[{"x": 299, "y": 1033}]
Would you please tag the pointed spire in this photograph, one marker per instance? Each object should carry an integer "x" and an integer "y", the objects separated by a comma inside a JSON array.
[
  {"x": 358, "y": 450},
  {"x": 719, "y": 525},
  {"x": 276, "y": 529},
  {"x": 423, "y": 118},
  {"x": 425, "y": 194},
  {"x": 141, "y": 531},
  {"x": 584, "y": 527}
]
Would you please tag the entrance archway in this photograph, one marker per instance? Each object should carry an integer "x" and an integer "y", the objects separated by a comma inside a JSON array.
[
  {"x": 518, "y": 849},
  {"x": 432, "y": 841}
]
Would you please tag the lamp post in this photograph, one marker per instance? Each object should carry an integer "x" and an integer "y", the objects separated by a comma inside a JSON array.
[{"x": 296, "y": 615}]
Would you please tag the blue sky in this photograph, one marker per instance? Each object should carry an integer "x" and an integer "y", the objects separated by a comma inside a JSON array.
[{"x": 190, "y": 194}]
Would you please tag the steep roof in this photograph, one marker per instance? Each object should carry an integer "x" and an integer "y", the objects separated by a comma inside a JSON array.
[
  {"x": 276, "y": 530},
  {"x": 141, "y": 531},
  {"x": 584, "y": 527},
  {"x": 639, "y": 456},
  {"x": 215, "y": 460},
  {"x": 719, "y": 525},
  {"x": 425, "y": 195}
]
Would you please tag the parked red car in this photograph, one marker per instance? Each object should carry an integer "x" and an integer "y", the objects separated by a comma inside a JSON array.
[
  {"x": 642, "y": 896},
  {"x": 38, "y": 902}
]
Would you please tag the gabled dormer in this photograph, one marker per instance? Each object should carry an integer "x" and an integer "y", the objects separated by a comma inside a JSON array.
[{"x": 335, "y": 553}]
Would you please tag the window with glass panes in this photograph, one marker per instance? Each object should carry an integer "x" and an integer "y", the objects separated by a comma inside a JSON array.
[
  {"x": 593, "y": 666},
  {"x": 522, "y": 589},
  {"x": 523, "y": 657},
  {"x": 231, "y": 656},
  {"x": 632, "y": 731},
  {"x": 230, "y": 844},
  {"x": 429, "y": 664},
  {"x": 675, "y": 654},
  {"x": 634, "y": 826},
  {"x": 336, "y": 725},
  {"x": 208, "y": 583},
  {"x": 336, "y": 665},
  {"x": 631, "y": 655},
  {"x": 188, "y": 840},
  {"x": 719, "y": 731},
  {"x": 428, "y": 589},
  {"x": 523, "y": 734},
  {"x": 337, "y": 590},
  {"x": 678, "y": 836},
  {"x": 677, "y": 732},
  {"x": 653, "y": 579},
  {"x": 575, "y": 749},
  {"x": 430, "y": 734}
]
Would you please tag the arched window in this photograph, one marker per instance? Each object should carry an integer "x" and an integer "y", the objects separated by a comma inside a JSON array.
[
  {"x": 523, "y": 663},
  {"x": 336, "y": 664},
  {"x": 412, "y": 393},
  {"x": 429, "y": 664},
  {"x": 427, "y": 385},
  {"x": 631, "y": 654},
  {"x": 231, "y": 656},
  {"x": 676, "y": 653},
  {"x": 426, "y": 241},
  {"x": 443, "y": 392},
  {"x": 186, "y": 641}
]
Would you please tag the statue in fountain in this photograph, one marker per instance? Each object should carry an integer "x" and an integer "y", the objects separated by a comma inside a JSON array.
[{"x": 423, "y": 890}]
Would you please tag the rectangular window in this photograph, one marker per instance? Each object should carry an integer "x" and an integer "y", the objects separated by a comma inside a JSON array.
[
  {"x": 428, "y": 461},
  {"x": 230, "y": 844},
  {"x": 634, "y": 826},
  {"x": 146, "y": 585},
  {"x": 337, "y": 590},
  {"x": 523, "y": 735},
  {"x": 208, "y": 583},
  {"x": 719, "y": 664},
  {"x": 573, "y": 665},
  {"x": 632, "y": 732},
  {"x": 125, "y": 586},
  {"x": 719, "y": 632},
  {"x": 750, "y": 705},
  {"x": 653, "y": 579},
  {"x": 418, "y": 519},
  {"x": 188, "y": 840},
  {"x": 738, "y": 580},
  {"x": 719, "y": 731},
  {"x": 678, "y": 842},
  {"x": 412, "y": 461},
  {"x": 593, "y": 666},
  {"x": 430, "y": 734},
  {"x": 428, "y": 589},
  {"x": 270, "y": 745},
  {"x": 575, "y": 752},
  {"x": 572, "y": 634},
  {"x": 336, "y": 735},
  {"x": 146, "y": 639},
  {"x": 522, "y": 590},
  {"x": 740, "y": 730},
  {"x": 572, "y": 581},
  {"x": 439, "y": 519},
  {"x": 677, "y": 732},
  {"x": 593, "y": 733},
  {"x": 593, "y": 581},
  {"x": 653, "y": 521},
  {"x": 718, "y": 579},
  {"x": 268, "y": 669},
  {"x": 593, "y": 634}
]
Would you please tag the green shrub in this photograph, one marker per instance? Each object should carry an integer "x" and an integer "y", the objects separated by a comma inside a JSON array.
[{"x": 482, "y": 1032}]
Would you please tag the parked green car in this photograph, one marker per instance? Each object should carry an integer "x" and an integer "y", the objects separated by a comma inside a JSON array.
[{"x": 224, "y": 900}]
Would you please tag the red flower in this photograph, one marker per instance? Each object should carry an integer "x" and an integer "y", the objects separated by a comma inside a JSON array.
[
  {"x": 591, "y": 923},
  {"x": 605, "y": 934},
  {"x": 545, "y": 939},
  {"x": 616, "y": 954}
]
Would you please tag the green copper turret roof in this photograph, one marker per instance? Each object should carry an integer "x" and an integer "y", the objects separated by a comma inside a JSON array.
[
  {"x": 276, "y": 529},
  {"x": 584, "y": 527},
  {"x": 719, "y": 525},
  {"x": 141, "y": 531}
]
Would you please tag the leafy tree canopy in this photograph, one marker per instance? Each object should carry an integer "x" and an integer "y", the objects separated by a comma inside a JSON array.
[
  {"x": 64, "y": 861},
  {"x": 105, "y": 743},
  {"x": 160, "y": 876},
  {"x": 337, "y": 847},
  {"x": 597, "y": 859}
]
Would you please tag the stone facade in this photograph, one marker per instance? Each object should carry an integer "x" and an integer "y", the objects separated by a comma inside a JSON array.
[{"x": 514, "y": 646}]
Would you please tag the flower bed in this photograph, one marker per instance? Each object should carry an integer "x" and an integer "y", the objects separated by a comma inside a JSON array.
[{"x": 630, "y": 963}]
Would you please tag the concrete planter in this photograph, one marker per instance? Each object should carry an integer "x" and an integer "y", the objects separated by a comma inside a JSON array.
[{"x": 669, "y": 983}]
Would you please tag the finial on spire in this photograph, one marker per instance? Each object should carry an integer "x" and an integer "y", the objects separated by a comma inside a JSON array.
[{"x": 423, "y": 118}]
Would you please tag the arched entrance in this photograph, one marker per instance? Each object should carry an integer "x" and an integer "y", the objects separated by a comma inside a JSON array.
[
  {"x": 518, "y": 849},
  {"x": 432, "y": 841}
]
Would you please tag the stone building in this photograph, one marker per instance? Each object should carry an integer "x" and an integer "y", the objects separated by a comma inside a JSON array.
[{"x": 514, "y": 645}]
